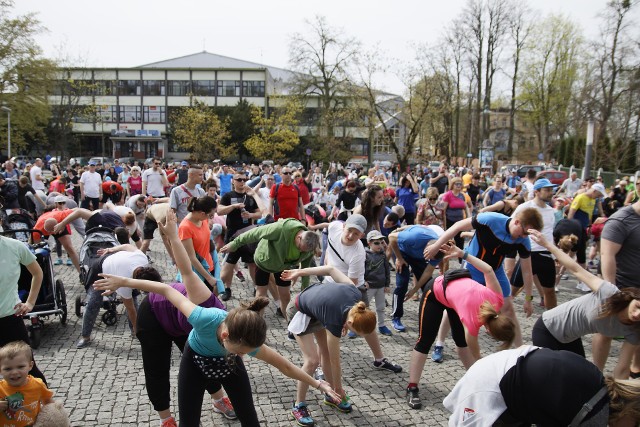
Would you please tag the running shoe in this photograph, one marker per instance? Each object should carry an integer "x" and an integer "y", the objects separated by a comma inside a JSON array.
[
  {"x": 69, "y": 262},
  {"x": 291, "y": 336},
  {"x": 301, "y": 414},
  {"x": 384, "y": 330},
  {"x": 240, "y": 276},
  {"x": 343, "y": 406},
  {"x": 352, "y": 335},
  {"x": 397, "y": 325},
  {"x": 386, "y": 365},
  {"x": 83, "y": 342},
  {"x": 226, "y": 295},
  {"x": 58, "y": 262},
  {"x": 224, "y": 407},
  {"x": 438, "y": 354},
  {"x": 413, "y": 399},
  {"x": 279, "y": 312},
  {"x": 169, "y": 422}
]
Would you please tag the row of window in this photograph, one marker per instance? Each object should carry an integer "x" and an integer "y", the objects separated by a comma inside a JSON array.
[
  {"x": 234, "y": 88},
  {"x": 125, "y": 114}
]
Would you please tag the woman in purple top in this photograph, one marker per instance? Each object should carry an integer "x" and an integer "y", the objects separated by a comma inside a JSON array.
[
  {"x": 160, "y": 324},
  {"x": 407, "y": 194}
]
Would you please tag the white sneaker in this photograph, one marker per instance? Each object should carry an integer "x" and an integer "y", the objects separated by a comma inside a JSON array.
[{"x": 582, "y": 287}]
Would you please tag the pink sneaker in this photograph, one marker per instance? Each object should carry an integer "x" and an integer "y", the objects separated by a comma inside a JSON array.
[{"x": 224, "y": 407}]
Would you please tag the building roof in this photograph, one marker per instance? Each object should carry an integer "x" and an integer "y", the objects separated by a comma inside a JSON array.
[{"x": 206, "y": 59}]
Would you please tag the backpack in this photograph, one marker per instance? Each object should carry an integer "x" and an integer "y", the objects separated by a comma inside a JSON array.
[{"x": 276, "y": 208}]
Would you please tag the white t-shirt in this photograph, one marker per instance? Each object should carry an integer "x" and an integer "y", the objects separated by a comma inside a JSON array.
[
  {"x": 548, "y": 221},
  {"x": 527, "y": 190},
  {"x": 154, "y": 179},
  {"x": 264, "y": 193},
  {"x": 36, "y": 183},
  {"x": 124, "y": 263},
  {"x": 350, "y": 260},
  {"x": 92, "y": 182}
]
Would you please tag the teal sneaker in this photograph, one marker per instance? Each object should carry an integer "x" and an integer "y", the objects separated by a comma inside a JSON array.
[
  {"x": 343, "y": 406},
  {"x": 301, "y": 414}
]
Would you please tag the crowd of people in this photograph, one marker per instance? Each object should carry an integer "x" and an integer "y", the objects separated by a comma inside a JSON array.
[{"x": 464, "y": 244}]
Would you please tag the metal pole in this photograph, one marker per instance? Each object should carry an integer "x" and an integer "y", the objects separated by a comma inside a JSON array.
[
  {"x": 8, "y": 110},
  {"x": 589, "y": 152}
]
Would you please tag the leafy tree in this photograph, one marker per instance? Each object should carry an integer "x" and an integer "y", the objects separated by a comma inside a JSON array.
[
  {"x": 277, "y": 134},
  {"x": 199, "y": 130}
]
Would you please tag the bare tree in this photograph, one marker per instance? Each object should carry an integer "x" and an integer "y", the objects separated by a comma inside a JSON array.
[{"x": 323, "y": 59}]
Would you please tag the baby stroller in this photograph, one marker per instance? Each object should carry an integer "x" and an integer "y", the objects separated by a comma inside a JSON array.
[
  {"x": 52, "y": 299},
  {"x": 18, "y": 219},
  {"x": 91, "y": 265}
]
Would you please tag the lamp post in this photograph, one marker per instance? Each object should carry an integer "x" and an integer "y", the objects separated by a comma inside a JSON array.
[
  {"x": 8, "y": 110},
  {"x": 485, "y": 114}
]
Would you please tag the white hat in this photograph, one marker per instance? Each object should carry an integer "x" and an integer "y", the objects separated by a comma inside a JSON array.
[
  {"x": 356, "y": 221},
  {"x": 60, "y": 199},
  {"x": 600, "y": 188}
]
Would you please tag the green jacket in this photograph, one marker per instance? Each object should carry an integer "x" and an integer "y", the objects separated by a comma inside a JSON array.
[{"x": 276, "y": 249}]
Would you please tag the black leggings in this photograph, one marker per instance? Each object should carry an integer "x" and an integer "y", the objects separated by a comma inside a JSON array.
[
  {"x": 156, "y": 356},
  {"x": 458, "y": 237},
  {"x": 192, "y": 383},
  {"x": 431, "y": 311},
  {"x": 541, "y": 337},
  {"x": 12, "y": 328}
]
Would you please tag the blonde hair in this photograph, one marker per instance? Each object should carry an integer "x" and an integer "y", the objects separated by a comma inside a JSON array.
[
  {"x": 624, "y": 399},
  {"x": 453, "y": 182},
  {"x": 362, "y": 319},
  {"x": 15, "y": 349},
  {"x": 500, "y": 327},
  {"x": 432, "y": 192},
  {"x": 566, "y": 243}
]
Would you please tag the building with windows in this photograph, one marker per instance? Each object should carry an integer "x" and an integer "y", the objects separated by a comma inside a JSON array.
[{"x": 130, "y": 107}]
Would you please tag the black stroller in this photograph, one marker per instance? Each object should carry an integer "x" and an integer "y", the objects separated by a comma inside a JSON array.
[
  {"x": 52, "y": 299},
  {"x": 91, "y": 265}
]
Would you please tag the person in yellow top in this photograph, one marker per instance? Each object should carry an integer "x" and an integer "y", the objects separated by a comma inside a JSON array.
[
  {"x": 466, "y": 178},
  {"x": 21, "y": 395}
]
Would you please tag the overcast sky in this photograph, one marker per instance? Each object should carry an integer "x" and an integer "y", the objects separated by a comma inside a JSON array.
[{"x": 119, "y": 33}]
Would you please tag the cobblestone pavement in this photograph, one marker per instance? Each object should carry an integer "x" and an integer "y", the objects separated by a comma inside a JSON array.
[{"x": 103, "y": 384}]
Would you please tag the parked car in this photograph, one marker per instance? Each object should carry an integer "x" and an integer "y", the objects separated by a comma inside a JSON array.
[
  {"x": 556, "y": 177},
  {"x": 124, "y": 160},
  {"x": 522, "y": 170},
  {"x": 101, "y": 160}
]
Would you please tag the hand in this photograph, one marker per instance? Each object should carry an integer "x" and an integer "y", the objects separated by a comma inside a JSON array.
[
  {"x": 451, "y": 250},
  {"x": 109, "y": 283},
  {"x": 528, "y": 308},
  {"x": 103, "y": 251},
  {"x": 431, "y": 251},
  {"x": 58, "y": 228},
  {"x": 400, "y": 262},
  {"x": 538, "y": 238},
  {"x": 22, "y": 308},
  {"x": 325, "y": 387},
  {"x": 249, "y": 191},
  {"x": 226, "y": 248},
  {"x": 290, "y": 275},
  {"x": 170, "y": 225},
  {"x": 387, "y": 290},
  {"x": 246, "y": 215},
  {"x": 239, "y": 206},
  {"x": 409, "y": 295}
]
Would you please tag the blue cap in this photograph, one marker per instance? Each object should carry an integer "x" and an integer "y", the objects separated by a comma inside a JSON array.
[
  {"x": 184, "y": 163},
  {"x": 543, "y": 183},
  {"x": 92, "y": 163}
]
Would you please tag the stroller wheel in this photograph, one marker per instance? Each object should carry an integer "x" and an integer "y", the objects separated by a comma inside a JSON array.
[
  {"x": 79, "y": 306},
  {"x": 35, "y": 336},
  {"x": 110, "y": 318},
  {"x": 61, "y": 301}
]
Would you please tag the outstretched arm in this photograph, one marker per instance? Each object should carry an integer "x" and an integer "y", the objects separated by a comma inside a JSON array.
[
  {"x": 491, "y": 281},
  {"x": 85, "y": 214},
  {"x": 494, "y": 207},
  {"x": 592, "y": 281},
  {"x": 110, "y": 283},
  {"x": 325, "y": 270},
  {"x": 464, "y": 225}
]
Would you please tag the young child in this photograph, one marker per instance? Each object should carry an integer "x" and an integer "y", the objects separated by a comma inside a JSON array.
[
  {"x": 377, "y": 276},
  {"x": 21, "y": 394}
]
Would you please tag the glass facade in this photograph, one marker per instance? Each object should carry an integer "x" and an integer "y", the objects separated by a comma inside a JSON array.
[
  {"x": 130, "y": 114},
  {"x": 154, "y": 114},
  {"x": 153, "y": 87},
  {"x": 129, "y": 88},
  {"x": 253, "y": 88},
  {"x": 179, "y": 87},
  {"x": 204, "y": 87},
  {"x": 229, "y": 88}
]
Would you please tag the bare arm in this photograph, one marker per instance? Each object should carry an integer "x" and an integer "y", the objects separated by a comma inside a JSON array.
[
  {"x": 324, "y": 270},
  {"x": 225, "y": 210},
  {"x": 191, "y": 254},
  {"x": 464, "y": 225},
  {"x": 36, "y": 281},
  {"x": 494, "y": 207},
  {"x": 426, "y": 275},
  {"x": 621, "y": 371},
  {"x": 608, "y": 252}
]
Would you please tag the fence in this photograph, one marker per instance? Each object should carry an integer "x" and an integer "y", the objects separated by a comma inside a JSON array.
[{"x": 608, "y": 178}]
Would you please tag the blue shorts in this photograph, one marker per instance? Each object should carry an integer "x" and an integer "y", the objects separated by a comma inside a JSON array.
[{"x": 477, "y": 275}]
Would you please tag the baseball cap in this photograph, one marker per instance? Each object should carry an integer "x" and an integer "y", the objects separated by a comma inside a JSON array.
[
  {"x": 600, "y": 188},
  {"x": 60, "y": 199},
  {"x": 356, "y": 221},
  {"x": 374, "y": 235},
  {"x": 184, "y": 163},
  {"x": 543, "y": 183},
  {"x": 92, "y": 163}
]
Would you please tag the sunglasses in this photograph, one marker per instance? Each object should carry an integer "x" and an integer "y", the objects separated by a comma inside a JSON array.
[
  {"x": 376, "y": 242},
  {"x": 433, "y": 199},
  {"x": 457, "y": 184},
  {"x": 286, "y": 173},
  {"x": 61, "y": 203},
  {"x": 241, "y": 179},
  {"x": 156, "y": 164}
]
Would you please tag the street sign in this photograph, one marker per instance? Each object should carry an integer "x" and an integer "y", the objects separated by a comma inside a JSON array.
[
  {"x": 308, "y": 151},
  {"x": 469, "y": 155}
]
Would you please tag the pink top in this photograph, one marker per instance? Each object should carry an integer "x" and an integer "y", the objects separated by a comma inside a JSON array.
[
  {"x": 454, "y": 202},
  {"x": 466, "y": 296}
]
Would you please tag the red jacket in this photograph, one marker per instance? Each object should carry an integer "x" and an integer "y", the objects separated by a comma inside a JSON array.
[{"x": 106, "y": 187}]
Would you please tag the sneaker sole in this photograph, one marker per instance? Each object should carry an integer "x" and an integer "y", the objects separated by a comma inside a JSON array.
[
  {"x": 217, "y": 411},
  {"x": 344, "y": 411},
  {"x": 415, "y": 405},
  {"x": 388, "y": 370},
  {"x": 300, "y": 423}
]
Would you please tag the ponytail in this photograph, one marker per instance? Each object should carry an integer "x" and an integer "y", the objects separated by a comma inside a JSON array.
[
  {"x": 567, "y": 243},
  {"x": 624, "y": 399},
  {"x": 500, "y": 326},
  {"x": 362, "y": 319}
]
